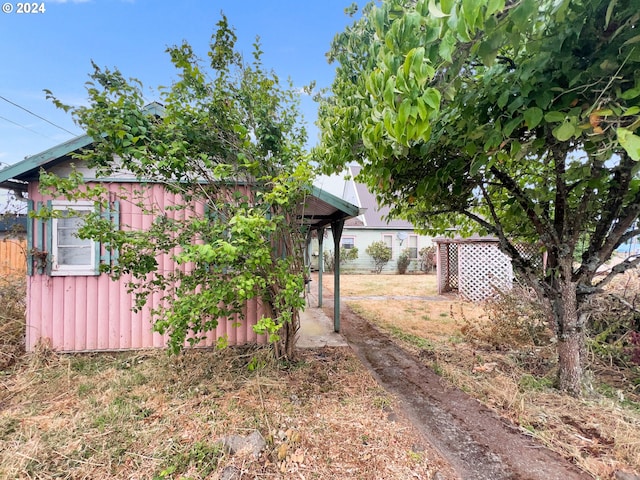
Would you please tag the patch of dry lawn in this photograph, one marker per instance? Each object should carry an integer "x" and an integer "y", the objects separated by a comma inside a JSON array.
[
  {"x": 384, "y": 284},
  {"x": 149, "y": 416},
  {"x": 600, "y": 432}
]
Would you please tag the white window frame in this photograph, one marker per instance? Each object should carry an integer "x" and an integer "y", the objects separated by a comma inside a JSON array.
[
  {"x": 389, "y": 244},
  {"x": 415, "y": 239},
  {"x": 351, "y": 245},
  {"x": 57, "y": 269}
]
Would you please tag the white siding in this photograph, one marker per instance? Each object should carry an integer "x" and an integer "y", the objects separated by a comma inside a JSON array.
[{"x": 365, "y": 237}]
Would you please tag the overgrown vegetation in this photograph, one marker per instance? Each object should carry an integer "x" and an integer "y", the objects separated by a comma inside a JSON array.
[
  {"x": 515, "y": 318},
  {"x": 404, "y": 260},
  {"x": 427, "y": 259},
  {"x": 150, "y": 415},
  {"x": 227, "y": 146},
  {"x": 13, "y": 291},
  {"x": 614, "y": 324},
  {"x": 502, "y": 353},
  {"x": 346, "y": 255}
]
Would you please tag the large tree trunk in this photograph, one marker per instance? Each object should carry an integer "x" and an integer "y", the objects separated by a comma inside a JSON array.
[{"x": 570, "y": 334}]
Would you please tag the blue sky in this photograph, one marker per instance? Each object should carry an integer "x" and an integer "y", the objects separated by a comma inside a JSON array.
[{"x": 53, "y": 50}]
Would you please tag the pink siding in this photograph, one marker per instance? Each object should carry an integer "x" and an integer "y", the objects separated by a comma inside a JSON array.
[{"x": 88, "y": 313}]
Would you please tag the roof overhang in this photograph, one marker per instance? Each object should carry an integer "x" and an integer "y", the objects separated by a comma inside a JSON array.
[
  {"x": 322, "y": 208},
  {"x": 17, "y": 176}
]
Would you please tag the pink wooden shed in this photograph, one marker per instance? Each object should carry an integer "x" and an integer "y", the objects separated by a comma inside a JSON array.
[{"x": 71, "y": 306}]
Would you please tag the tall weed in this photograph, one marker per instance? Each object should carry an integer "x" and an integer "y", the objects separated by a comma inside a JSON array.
[
  {"x": 13, "y": 290},
  {"x": 515, "y": 319}
]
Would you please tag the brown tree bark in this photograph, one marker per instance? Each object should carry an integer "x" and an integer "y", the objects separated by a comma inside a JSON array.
[{"x": 570, "y": 334}]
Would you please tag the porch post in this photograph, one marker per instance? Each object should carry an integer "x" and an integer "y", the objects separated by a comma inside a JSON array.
[
  {"x": 307, "y": 261},
  {"x": 320, "y": 264},
  {"x": 336, "y": 230}
]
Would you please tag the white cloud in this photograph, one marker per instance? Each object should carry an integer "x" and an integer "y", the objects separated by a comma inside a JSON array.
[{"x": 304, "y": 91}]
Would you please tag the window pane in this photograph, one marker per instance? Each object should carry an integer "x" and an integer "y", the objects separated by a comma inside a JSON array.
[
  {"x": 69, "y": 250},
  {"x": 69, "y": 236},
  {"x": 74, "y": 255},
  {"x": 388, "y": 239},
  {"x": 348, "y": 243},
  {"x": 71, "y": 222}
]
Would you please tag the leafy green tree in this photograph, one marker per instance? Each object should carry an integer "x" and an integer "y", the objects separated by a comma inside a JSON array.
[
  {"x": 380, "y": 253},
  {"x": 518, "y": 119},
  {"x": 230, "y": 147}
]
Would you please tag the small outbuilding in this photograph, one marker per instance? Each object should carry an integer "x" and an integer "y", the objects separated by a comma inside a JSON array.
[
  {"x": 72, "y": 305},
  {"x": 473, "y": 267}
]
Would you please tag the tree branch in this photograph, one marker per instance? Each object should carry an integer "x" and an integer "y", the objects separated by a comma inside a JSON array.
[
  {"x": 629, "y": 263},
  {"x": 604, "y": 240},
  {"x": 543, "y": 228},
  {"x": 585, "y": 201}
]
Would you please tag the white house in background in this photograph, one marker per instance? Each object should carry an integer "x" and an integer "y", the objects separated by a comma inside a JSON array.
[{"x": 370, "y": 226}]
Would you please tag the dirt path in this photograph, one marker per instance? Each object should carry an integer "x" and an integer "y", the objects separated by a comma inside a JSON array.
[{"x": 477, "y": 443}]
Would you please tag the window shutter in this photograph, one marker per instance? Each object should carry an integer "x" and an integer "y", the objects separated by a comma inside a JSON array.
[
  {"x": 115, "y": 220},
  {"x": 49, "y": 242},
  {"x": 110, "y": 256}
]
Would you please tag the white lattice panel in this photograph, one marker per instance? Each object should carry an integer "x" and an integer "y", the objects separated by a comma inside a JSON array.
[
  {"x": 482, "y": 268},
  {"x": 447, "y": 267}
]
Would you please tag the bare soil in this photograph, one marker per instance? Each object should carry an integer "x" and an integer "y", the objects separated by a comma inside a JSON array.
[{"x": 476, "y": 442}]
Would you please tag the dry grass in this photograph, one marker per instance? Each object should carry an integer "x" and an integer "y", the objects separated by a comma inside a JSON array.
[
  {"x": 12, "y": 318},
  {"x": 149, "y": 416},
  {"x": 384, "y": 284},
  {"x": 600, "y": 433}
]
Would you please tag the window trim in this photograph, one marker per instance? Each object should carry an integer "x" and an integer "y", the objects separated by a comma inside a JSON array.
[
  {"x": 88, "y": 269},
  {"x": 390, "y": 236},
  {"x": 409, "y": 247},
  {"x": 350, "y": 237}
]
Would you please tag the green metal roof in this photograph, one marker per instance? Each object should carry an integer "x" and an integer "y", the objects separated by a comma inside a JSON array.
[
  {"x": 320, "y": 209},
  {"x": 15, "y": 176},
  {"x": 323, "y": 208}
]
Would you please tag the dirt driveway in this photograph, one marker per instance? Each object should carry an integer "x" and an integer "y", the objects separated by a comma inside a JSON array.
[{"x": 477, "y": 443}]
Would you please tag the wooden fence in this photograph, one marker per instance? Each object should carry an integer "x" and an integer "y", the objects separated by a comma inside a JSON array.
[{"x": 13, "y": 256}]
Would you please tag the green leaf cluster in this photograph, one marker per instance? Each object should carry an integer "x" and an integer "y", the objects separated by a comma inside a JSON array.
[
  {"x": 227, "y": 145},
  {"x": 517, "y": 119}
]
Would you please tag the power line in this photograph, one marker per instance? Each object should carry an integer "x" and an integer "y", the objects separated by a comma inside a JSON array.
[
  {"x": 36, "y": 115},
  {"x": 22, "y": 126}
]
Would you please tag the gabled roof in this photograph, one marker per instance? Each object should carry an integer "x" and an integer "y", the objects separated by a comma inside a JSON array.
[
  {"x": 375, "y": 215},
  {"x": 16, "y": 176},
  {"x": 371, "y": 214},
  {"x": 321, "y": 208}
]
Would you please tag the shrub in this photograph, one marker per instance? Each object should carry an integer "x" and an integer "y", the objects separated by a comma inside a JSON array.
[
  {"x": 346, "y": 255},
  {"x": 380, "y": 253},
  {"x": 614, "y": 321},
  {"x": 427, "y": 259},
  {"x": 13, "y": 291},
  {"x": 404, "y": 260}
]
